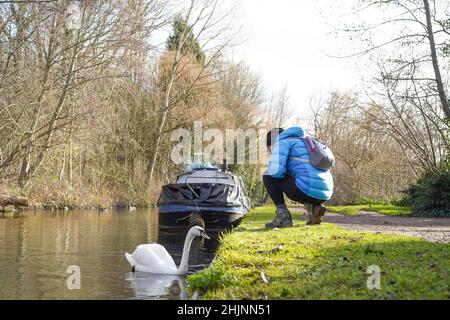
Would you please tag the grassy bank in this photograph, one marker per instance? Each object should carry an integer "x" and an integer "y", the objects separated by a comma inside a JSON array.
[
  {"x": 322, "y": 262},
  {"x": 389, "y": 209}
]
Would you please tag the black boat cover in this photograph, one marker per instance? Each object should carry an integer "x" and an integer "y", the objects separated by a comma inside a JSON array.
[{"x": 203, "y": 195}]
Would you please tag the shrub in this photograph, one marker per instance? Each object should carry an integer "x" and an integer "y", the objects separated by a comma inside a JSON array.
[{"x": 431, "y": 195}]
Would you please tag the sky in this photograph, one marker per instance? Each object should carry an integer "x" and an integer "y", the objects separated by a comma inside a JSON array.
[{"x": 290, "y": 42}]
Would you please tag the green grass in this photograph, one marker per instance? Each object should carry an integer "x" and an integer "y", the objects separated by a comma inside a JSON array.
[
  {"x": 380, "y": 208},
  {"x": 322, "y": 262}
]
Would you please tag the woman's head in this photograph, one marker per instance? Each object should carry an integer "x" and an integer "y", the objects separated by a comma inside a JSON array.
[{"x": 272, "y": 136}]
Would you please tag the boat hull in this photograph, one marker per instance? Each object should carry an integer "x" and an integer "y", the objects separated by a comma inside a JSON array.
[
  {"x": 219, "y": 205},
  {"x": 215, "y": 218}
]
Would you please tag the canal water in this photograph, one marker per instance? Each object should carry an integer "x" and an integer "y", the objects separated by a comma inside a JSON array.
[{"x": 38, "y": 248}]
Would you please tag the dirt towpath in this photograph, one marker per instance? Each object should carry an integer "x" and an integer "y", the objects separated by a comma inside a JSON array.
[{"x": 430, "y": 229}]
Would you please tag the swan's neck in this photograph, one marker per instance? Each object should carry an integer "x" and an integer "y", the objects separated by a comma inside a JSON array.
[{"x": 183, "y": 269}]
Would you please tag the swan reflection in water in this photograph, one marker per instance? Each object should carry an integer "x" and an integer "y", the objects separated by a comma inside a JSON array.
[{"x": 156, "y": 287}]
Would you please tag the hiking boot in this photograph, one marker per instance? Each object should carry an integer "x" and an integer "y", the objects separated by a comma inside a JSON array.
[
  {"x": 318, "y": 211},
  {"x": 309, "y": 209},
  {"x": 283, "y": 219}
]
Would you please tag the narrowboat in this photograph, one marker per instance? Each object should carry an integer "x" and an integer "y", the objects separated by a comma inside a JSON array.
[{"x": 203, "y": 195}]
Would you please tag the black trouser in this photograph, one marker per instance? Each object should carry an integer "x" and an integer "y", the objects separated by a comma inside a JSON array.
[{"x": 277, "y": 187}]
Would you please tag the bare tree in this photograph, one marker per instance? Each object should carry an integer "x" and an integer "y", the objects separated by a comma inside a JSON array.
[
  {"x": 408, "y": 98},
  {"x": 279, "y": 109},
  {"x": 206, "y": 23},
  {"x": 60, "y": 61},
  {"x": 368, "y": 161}
]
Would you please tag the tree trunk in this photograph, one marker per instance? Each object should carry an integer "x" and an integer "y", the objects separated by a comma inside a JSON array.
[
  {"x": 163, "y": 118},
  {"x": 70, "y": 164},
  {"x": 434, "y": 58},
  {"x": 13, "y": 201},
  {"x": 63, "y": 165}
]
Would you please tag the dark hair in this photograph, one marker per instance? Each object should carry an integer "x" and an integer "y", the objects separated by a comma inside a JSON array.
[{"x": 272, "y": 135}]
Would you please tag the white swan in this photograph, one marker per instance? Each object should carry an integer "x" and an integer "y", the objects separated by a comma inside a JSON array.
[{"x": 154, "y": 258}]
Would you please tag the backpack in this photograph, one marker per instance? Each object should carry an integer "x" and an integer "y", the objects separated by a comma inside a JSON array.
[{"x": 320, "y": 155}]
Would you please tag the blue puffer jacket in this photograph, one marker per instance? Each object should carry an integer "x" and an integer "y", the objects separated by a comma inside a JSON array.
[{"x": 314, "y": 182}]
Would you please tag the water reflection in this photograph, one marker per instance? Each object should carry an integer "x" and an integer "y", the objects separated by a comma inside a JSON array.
[
  {"x": 36, "y": 249},
  {"x": 149, "y": 286}
]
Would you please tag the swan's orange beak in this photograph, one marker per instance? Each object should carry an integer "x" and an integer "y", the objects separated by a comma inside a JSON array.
[{"x": 205, "y": 236}]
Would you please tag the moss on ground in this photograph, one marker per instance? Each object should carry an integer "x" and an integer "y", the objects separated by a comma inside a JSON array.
[{"x": 322, "y": 262}]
